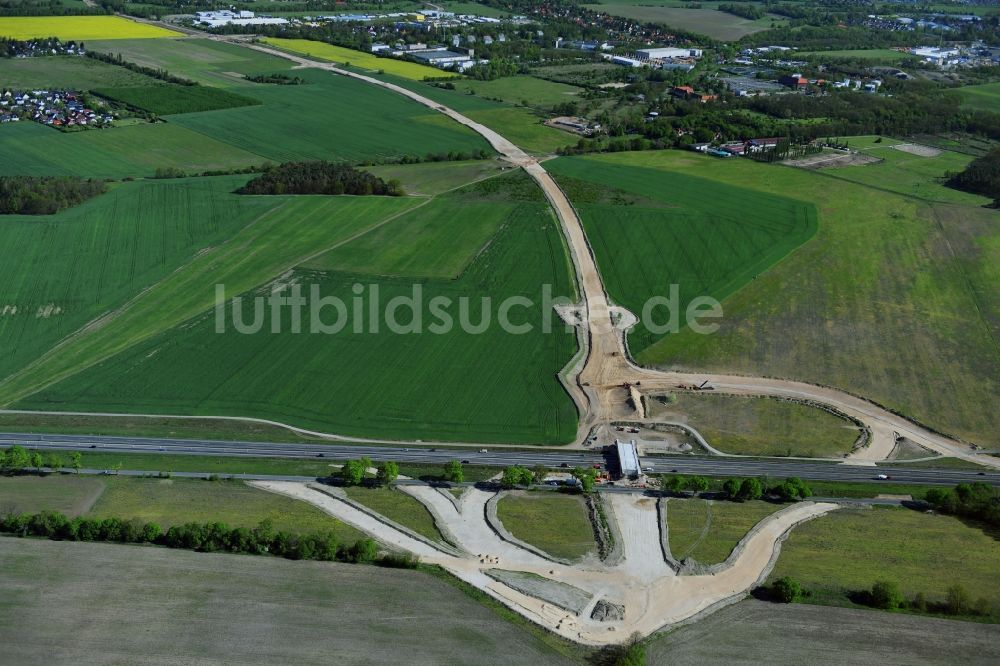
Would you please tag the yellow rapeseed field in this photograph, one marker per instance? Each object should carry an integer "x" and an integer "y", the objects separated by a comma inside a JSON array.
[
  {"x": 79, "y": 28},
  {"x": 339, "y": 54}
]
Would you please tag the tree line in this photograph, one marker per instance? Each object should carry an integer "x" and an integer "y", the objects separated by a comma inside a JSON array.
[
  {"x": 977, "y": 501},
  {"x": 45, "y": 195},
  {"x": 320, "y": 178}
]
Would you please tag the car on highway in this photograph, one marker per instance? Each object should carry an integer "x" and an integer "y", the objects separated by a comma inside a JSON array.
[
  {"x": 564, "y": 465},
  {"x": 882, "y": 477},
  {"x": 465, "y": 462}
]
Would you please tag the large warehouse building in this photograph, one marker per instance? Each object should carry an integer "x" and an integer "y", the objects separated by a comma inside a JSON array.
[{"x": 667, "y": 52}]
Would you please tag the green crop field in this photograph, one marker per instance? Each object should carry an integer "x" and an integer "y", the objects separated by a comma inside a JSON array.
[
  {"x": 762, "y": 426},
  {"x": 708, "y": 239},
  {"x": 984, "y": 97},
  {"x": 849, "y": 549},
  {"x": 177, "y": 501},
  {"x": 201, "y": 60},
  {"x": 318, "y": 223},
  {"x": 105, "y": 602},
  {"x": 333, "y": 118},
  {"x": 519, "y": 89},
  {"x": 69, "y": 495},
  {"x": 900, "y": 171},
  {"x": 27, "y": 148},
  {"x": 430, "y": 178},
  {"x": 494, "y": 386},
  {"x": 165, "y": 99},
  {"x": 707, "y": 531},
  {"x": 63, "y": 271},
  {"x": 894, "y": 298},
  {"x": 397, "y": 506},
  {"x": 65, "y": 72},
  {"x": 555, "y": 523},
  {"x": 711, "y": 22}
]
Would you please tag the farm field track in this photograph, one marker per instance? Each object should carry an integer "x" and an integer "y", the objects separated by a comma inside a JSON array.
[
  {"x": 848, "y": 550},
  {"x": 556, "y": 524},
  {"x": 711, "y": 22},
  {"x": 894, "y": 291},
  {"x": 761, "y": 426},
  {"x": 79, "y": 28},
  {"x": 493, "y": 387},
  {"x": 339, "y": 54},
  {"x": 106, "y": 602},
  {"x": 319, "y": 222},
  {"x": 27, "y": 148},
  {"x": 207, "y": 62},
  {"x": 707, "y": 531},
  {"x": 760, "y": 632},
  {"x": 707, "y": 238},
  {"x": 67, "y": 269},
  {"x": 902, "y": 168},
  {"x": 383, "y": 125}
]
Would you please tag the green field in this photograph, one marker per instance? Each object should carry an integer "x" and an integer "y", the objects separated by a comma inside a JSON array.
[
  {"x": 430, "y": 178},
  {"x": 519, "y": 89},
  {"x": 903, "y": 172},
  {"x": 201, "y": 60},
  {"x": 984, "y": 97},
  {"x": 361, "y": 59},
  {"x": 399, "y": 507},
  {"x": 333, "y": 118},
  {"x": 69, "y": 495},
  {"x": 165, "y": 99},
  {"x": 65, "y": 72},
  {"x": 707, "y": 531},
  {"x": 849, "y": 549},
  {"x": 27, "y": 148},
  {"x": 708, "y": 239},
  {"x": 72, "y": 267},
  {"x": 108, "y": 603},
  {"x": 167, "y": 502},
  {"x": 555, "y": 523},
  {"x": 488, "y": 387},
  {"x": 711, "y": 22},
  {"x": 894, "y": 298},
  {"x": 761, "y": 426}
]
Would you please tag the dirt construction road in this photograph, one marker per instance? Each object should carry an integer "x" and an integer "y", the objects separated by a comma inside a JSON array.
[
  {"x": 595, "y": 384},
  {"x": 652, "y": 594}
]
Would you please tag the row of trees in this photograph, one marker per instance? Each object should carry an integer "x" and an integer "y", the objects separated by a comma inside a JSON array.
[
  {"x": 792, "y": 488},
  {"x": 17, "y": 459},
  {"x": 45, "y": 195},
  {"x": 320, "y": 178},
  {"x": 887, "y": 595},
  {"x": 201, "y": 537}
]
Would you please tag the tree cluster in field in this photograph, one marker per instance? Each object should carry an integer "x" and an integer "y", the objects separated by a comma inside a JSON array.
[
  {"x": 495, "y": 69},
  {"x": 277, "y": 79},
  {"x": 977, "y": 501},
  {"x": 982, "y": 176},
  {"x": 13, "y": 48},
  {"x": 45, "y": 195},
  {"x": 202, "y": 537},
  {"x": 320, "y": 178},
  {"x": 886, "y": 595},
  {"x": 747, "y": 11},
  {"x": 516, "y": 475},
  {"x": 453, "y": 472},
  {"x": 154, "y": 72},
  {"x": 451, "y": 156},
  {"x": 354, "y": 472},
  {"x": 17, "y": 459}
]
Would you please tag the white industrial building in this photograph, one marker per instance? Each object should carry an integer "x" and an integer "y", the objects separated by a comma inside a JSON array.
[
  {"x": 628, "y": 459},
  {"x": 219, "y": 18},
  {"x": 667, "y": 52}
]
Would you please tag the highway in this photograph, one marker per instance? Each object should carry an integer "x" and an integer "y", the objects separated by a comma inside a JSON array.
[{"x": 729, "y": 466}]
